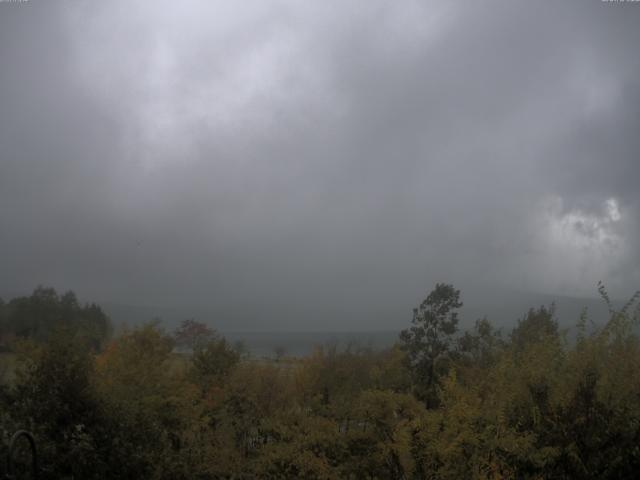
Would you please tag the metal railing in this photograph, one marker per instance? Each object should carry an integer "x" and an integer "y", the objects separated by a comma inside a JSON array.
[{"x": 13, "y": 445}]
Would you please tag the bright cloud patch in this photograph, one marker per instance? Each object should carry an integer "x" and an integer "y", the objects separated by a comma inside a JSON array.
[
  {"x": 576, "y": 228},
  {"x": 571, "y": 243}
]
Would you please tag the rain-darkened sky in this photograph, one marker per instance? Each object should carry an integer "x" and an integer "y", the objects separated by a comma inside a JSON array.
[{"x": 306, "y": 165}]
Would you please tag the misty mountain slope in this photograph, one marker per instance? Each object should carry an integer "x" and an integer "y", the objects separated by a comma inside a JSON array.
[{"x": 504, "y": 309}]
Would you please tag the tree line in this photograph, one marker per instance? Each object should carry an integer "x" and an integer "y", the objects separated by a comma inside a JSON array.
[{"x": 440, "y": 404}]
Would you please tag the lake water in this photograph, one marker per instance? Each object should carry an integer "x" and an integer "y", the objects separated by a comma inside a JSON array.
[{"x": 264, "y": 344}]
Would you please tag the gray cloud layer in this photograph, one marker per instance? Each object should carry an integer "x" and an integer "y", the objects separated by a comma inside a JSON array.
[{"x": 303, "y": 166}]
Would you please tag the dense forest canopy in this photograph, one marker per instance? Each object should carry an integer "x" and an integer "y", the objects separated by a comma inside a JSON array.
[
  {"x": 441, "y": 404},
  {"x": 39, "y": 315}
]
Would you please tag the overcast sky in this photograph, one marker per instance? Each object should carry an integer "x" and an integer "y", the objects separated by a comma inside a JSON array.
[{"x": 318, "y": 164}]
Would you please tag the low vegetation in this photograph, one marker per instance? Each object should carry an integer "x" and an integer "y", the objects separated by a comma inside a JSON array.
[{"x": 441, "y": 404}]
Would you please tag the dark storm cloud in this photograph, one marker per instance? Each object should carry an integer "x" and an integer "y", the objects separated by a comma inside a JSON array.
[{"x": 298, "y": 166}]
